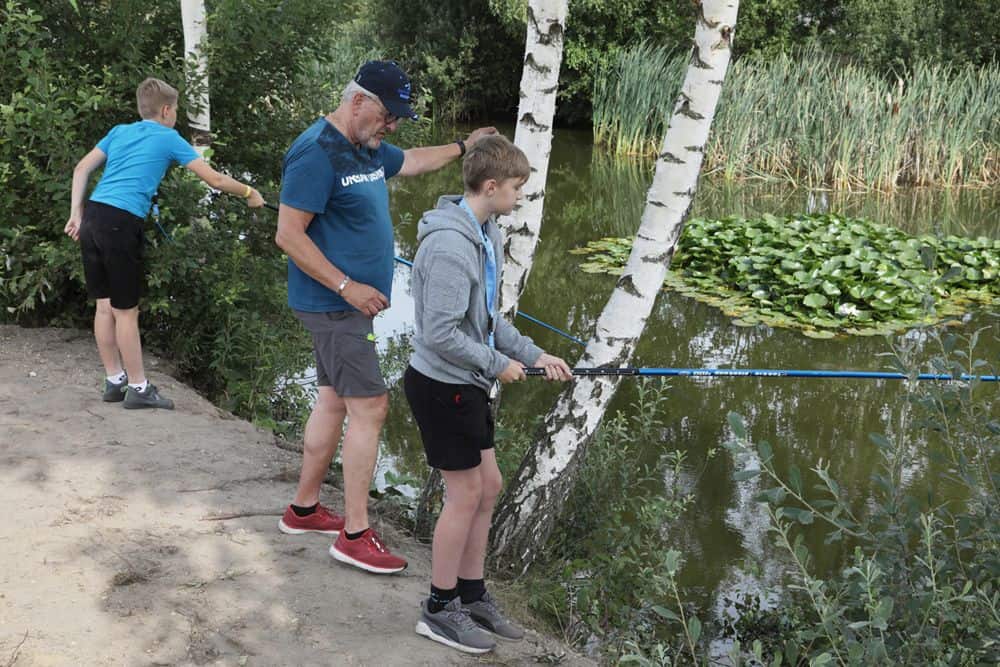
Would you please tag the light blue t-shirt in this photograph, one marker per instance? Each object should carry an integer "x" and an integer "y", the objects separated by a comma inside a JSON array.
[
  {"x": 325, "y": 174},
  {"x": 138, "y": 155},
  {"x": 491, "y": 269}
]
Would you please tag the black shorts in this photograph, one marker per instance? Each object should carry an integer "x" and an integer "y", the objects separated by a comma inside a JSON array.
[
  {"x": 455, "y": 420},
  {"x": 112, "y": 241}
]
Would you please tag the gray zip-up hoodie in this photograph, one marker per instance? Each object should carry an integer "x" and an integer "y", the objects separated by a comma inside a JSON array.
[{"x": 447, "y": 282}]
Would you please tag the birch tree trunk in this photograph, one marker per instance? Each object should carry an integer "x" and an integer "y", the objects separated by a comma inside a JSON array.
[
  {"x": 196, "y": 62},
  {"x": 535, "y": 496},
  {"x": 539, "y": 84}
]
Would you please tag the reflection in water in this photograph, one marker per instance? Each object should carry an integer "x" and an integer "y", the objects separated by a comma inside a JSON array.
[{"x": 806, "y": 420}]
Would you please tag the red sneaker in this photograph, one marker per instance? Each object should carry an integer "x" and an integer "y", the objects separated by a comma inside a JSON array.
[
  {"x": 320, "y": 521},
  {"x": 367, "y": 552}
]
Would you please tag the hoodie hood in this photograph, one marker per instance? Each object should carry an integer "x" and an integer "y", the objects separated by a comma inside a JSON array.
[{"x": 448, "y": 215}]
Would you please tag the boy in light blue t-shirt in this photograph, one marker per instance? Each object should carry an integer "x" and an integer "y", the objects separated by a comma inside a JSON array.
[{"x": 109, "y": 228}]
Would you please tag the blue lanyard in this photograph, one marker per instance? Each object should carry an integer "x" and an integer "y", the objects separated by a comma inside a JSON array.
[{"x": 490, "y": 284}]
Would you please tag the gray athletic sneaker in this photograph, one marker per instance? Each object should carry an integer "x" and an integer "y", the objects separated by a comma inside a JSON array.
[
  {"x": 113, "y": 393},
  {"x": 452, "y": 626},
  {"x": 485, "y": 613},
  {"x": 135, "y": 400}
]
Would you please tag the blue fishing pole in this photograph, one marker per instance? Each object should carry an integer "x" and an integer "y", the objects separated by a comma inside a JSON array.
[
  {"x": 720, "y": 372},
  {"x": 763, "y": 372}
]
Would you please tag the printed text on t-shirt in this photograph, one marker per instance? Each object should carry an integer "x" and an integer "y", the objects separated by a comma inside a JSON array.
[{"x": 378, "y": 175}]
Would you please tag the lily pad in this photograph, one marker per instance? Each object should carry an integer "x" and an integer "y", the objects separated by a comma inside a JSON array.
[{"x": 822, "y": 274}]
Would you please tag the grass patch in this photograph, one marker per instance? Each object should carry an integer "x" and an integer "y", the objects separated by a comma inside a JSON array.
[{"x": 814, "y": 120}]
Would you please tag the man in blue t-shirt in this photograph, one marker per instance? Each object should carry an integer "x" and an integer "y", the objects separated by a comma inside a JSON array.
[
  {"x": 335, "y": 227},
  {"x": 109, "y": 228}
]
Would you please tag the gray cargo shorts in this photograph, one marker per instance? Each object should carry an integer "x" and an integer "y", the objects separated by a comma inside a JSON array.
[{"x": 346, "y": 358}]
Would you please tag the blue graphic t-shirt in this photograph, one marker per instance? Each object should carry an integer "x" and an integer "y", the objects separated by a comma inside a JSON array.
[
  {"x": 325, "y": 174},
  {"x": 138, "y": 157}
]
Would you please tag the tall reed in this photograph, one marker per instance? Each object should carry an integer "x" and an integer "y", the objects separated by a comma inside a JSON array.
[{"x": 811, "y": 119}]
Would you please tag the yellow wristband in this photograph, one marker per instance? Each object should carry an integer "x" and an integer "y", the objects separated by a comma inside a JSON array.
[{"x": 246, "y": 195}]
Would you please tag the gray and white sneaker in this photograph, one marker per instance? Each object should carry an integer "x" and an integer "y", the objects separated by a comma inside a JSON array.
[
  {"x": 485, "y": 613},
  {"x": 452, "y": 626},
  {"x": 135, "y": 400},
  {"x": 114, "y": 393}
]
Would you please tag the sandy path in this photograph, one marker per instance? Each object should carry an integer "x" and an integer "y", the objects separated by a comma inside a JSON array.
[{"x": 106, "y": 556}]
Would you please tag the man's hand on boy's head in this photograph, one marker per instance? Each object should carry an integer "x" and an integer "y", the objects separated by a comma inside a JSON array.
[
  {"x": 365, "y": 298},
  {"x": 479, "y": 134},
  {"x": 555, "y": 368}
]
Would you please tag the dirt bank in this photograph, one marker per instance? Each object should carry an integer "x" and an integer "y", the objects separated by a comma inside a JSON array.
[{"x": 113, "y": 552}]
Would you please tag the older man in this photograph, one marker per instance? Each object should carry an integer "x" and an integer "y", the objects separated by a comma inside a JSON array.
[{"x": 335, "y": 227}]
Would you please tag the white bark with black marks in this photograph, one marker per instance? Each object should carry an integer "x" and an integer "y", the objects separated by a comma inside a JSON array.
[
  {"x": 539, "y": 84},
  {"x": 196, "y": 65},
  {"x": 536, "y": 495}
]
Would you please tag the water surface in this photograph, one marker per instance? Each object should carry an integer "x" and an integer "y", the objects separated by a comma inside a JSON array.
[{"x": 723, "y": 536}]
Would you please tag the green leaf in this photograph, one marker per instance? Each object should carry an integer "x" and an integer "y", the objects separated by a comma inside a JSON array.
[
  {"x": 880, "y": 441},
  {"x": 665, "y": 613},
  {"x": 884, "y": 611},
  {"x": 795, "y": 478},
  {"x": 771, "y": 496},
  {"x": 764, "y": 450},
  {"x": 694, "y": 629},
  {"x": 791, "y": 652},
  {"x": 819, "y": 333},
  {"x": 672, "y": 562},
  {"x": 737, "y": 423}
]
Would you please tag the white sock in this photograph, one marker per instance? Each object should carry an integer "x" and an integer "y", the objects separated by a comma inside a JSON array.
[
  {"x": 118, "y": 378},
  {"x": 139, "y": 387}
]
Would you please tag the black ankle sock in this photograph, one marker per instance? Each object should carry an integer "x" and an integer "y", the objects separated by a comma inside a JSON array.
[
  {"x": 440, "y": 597},
  {"x": 304, "y": 511},
  {"x": 354, "y": 536},
  {"x": 471, "y": 590}
]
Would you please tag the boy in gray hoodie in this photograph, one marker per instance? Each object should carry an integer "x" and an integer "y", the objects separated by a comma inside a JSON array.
[{"x": 461, "y": 348}]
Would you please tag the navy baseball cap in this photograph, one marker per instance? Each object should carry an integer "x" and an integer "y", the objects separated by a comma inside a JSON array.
[{"x": 390, "y": 84}]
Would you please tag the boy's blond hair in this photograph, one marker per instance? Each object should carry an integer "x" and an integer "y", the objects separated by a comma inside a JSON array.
[
  {"x": 152, "y": 95},
  {"x": 493, "y": 157}
]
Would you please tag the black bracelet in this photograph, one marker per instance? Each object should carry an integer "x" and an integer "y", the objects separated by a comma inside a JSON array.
[{"x": 461, "y": 147}]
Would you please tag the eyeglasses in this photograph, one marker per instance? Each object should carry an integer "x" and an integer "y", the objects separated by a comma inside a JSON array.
[{"x": 387, "y": 118}]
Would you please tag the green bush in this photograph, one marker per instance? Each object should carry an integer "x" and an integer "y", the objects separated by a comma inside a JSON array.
[
  {"x": 215, "y": 299},
  {"x": 611, "y": 575},
  {"x": 923, "y": 583},
  {"x": 61, "y": 92},
  {"x": 918, "y": 582},
  {"x": 215, "y": 305}
]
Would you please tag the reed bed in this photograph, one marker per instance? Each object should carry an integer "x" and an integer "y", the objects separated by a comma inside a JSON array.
[{"x": 813, "y": 120}]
